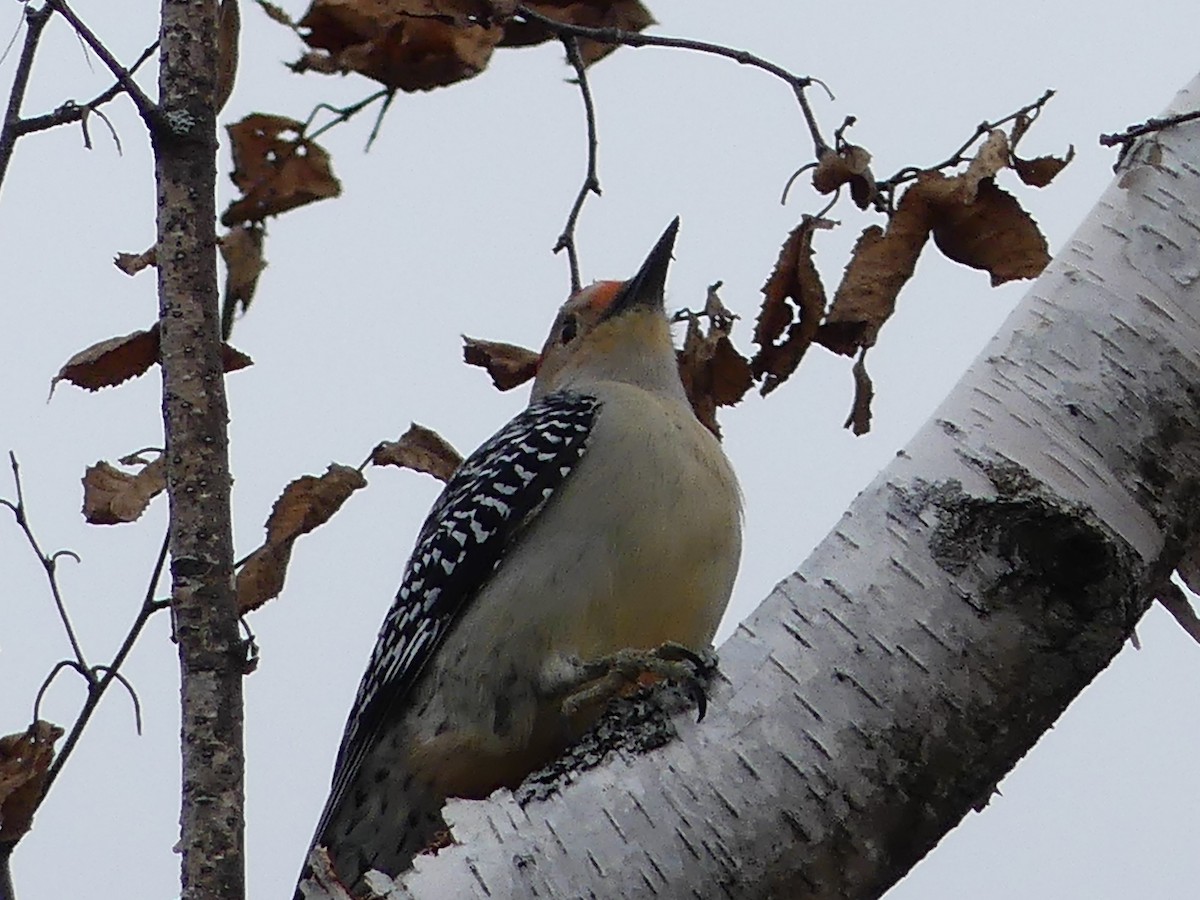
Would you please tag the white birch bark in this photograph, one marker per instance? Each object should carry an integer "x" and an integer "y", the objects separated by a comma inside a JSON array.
[{"x": 966, "y": 597}]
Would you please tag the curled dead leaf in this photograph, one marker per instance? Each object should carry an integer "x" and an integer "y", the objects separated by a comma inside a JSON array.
[
  {"x": 711, "y": 369},
  {"x": 1041, "y": 170},
  {"x": 990, "y": 158},
  {"x": 420, "y": 449},
  {"x": 992, "y": 233},
  {"x": 242, "y": 251},
  {"x": 411, "y": 45},
  {"x": 880, "y": 265},
  {"x": 849, "y": 164},
  {"x": 794, "y": 278},
  {"x": 307, "y": 503},
  {"x": 118, "y": 359},
  {"x": 132, "y": 263},
  {"x": 275, "y": 168},
  {"x": 111, "y": 496},
  {"x": 627, "y": 15},
  {"x": 507, "y": 364},
  {"x": 25, "y": 760}
]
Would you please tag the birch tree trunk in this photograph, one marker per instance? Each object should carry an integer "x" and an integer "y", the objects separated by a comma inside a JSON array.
[
  {"x": 195, "y": 416},
  {"x": 965, "y": 599}
]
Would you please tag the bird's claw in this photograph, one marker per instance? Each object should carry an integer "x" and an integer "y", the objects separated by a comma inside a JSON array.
[{"x": 602, "y": 679}]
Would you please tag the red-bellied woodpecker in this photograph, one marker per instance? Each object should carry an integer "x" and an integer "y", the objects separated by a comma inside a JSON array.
[{"x": 602, "y": 519}]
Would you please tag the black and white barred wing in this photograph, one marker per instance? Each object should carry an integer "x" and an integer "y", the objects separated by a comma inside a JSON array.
[{"x": 485, "y": 505}]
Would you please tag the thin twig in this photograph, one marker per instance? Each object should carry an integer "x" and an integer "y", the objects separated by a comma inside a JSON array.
[
  {"x": 798, "y": 83},
  {"x": 49, "y": 679},
  {"x": 1150, "y": 125},
  {"x": 137, "y": 703},
  {"x": 49, "y": 565},
  {"x": 1125, "y": 139},
  {"x": 959, "y": 156},
  {"x": 145, "y": 106},
  {"x": 96, "y": 692},
  {"x": 387, "y": 103},
  {"x": 73, "y": 112},
  {"x": 342, "y": 113},
  {"x": 35, "y": 21},
  {"x": 591, "y": 181}
]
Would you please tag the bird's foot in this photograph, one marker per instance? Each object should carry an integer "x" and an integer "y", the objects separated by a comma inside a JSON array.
[{"x": 598, "y": 681}]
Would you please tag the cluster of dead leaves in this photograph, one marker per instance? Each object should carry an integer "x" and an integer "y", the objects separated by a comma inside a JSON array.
[
  {"x": 417, "y": 45},
  {"x": 971, "y": 220},
  {"x": 25, "y": 760}
]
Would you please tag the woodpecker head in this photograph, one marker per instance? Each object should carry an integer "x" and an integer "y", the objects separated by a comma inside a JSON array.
[{"x": 615, "y": 331}]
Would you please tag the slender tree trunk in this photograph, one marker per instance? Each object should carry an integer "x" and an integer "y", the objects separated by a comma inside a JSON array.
[
  {"x": 195, "y": 416},
  {"x": 965, "y": 599}
]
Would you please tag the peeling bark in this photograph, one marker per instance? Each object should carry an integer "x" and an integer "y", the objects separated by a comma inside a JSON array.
[
  {"x": 965, "y": 599},
  {"x": 195, "y": 416}
]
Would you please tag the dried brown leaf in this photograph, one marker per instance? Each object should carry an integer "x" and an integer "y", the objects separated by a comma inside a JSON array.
[
  {"x": 25, "y": 759},
  {"x": 508, "y": 364},
  {"x": 118, "y": 359},
  {"x": 627, "y": 15},
  {"x": 411, "y": 45},
  {"x": 794, "y": 278},
  {"x": 233, "y": 359},
  {"x": 307, "y": 503},
  {"x": 991, "y": 157},
  {"x": 229, "y": 25},
  {"x": 880, "y": 265},
  {"x": 110, "y": 362},
  {"x": 1041, "y": 170},
  {"x": 850, "y": 164},
  {"x": 132, "y": 263},
  {"x": 992, "y": 233},
  {"x": 711, "y": 369},
  {"x": 275, "y": 168},
  {"x": 242, "y": 250},
  {"x": 261, "y": 576},
  {"x": 420, "y": 449},
  {"x": 111, "y": 496}
]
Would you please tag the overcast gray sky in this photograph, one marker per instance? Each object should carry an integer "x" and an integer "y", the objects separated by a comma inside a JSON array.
[{"x": 445, "y": 228}]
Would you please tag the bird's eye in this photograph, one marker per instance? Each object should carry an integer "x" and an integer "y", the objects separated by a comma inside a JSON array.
[{"x": 568, "y": 330}]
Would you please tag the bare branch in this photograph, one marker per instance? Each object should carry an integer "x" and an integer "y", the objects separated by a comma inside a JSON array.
[
  {"x": 49, "y": 565},
  {"x": 1030, "y": 112},
  {"x": 70, "y": 111},
  {"x": 145, "y": 106},
  {"x": 111, "y": 671},
  {"x": 798, "y": 83},
  {"x": 591, "y": 182},
  {"x": 35, "y": 21},
  {"x": 1126, "y": 138}
]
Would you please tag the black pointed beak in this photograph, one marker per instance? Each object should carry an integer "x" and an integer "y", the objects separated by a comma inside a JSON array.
[{"x": 646, "y": 288}]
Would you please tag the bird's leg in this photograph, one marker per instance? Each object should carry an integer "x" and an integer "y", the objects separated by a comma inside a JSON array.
[{"x": 594, "y": 682}]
